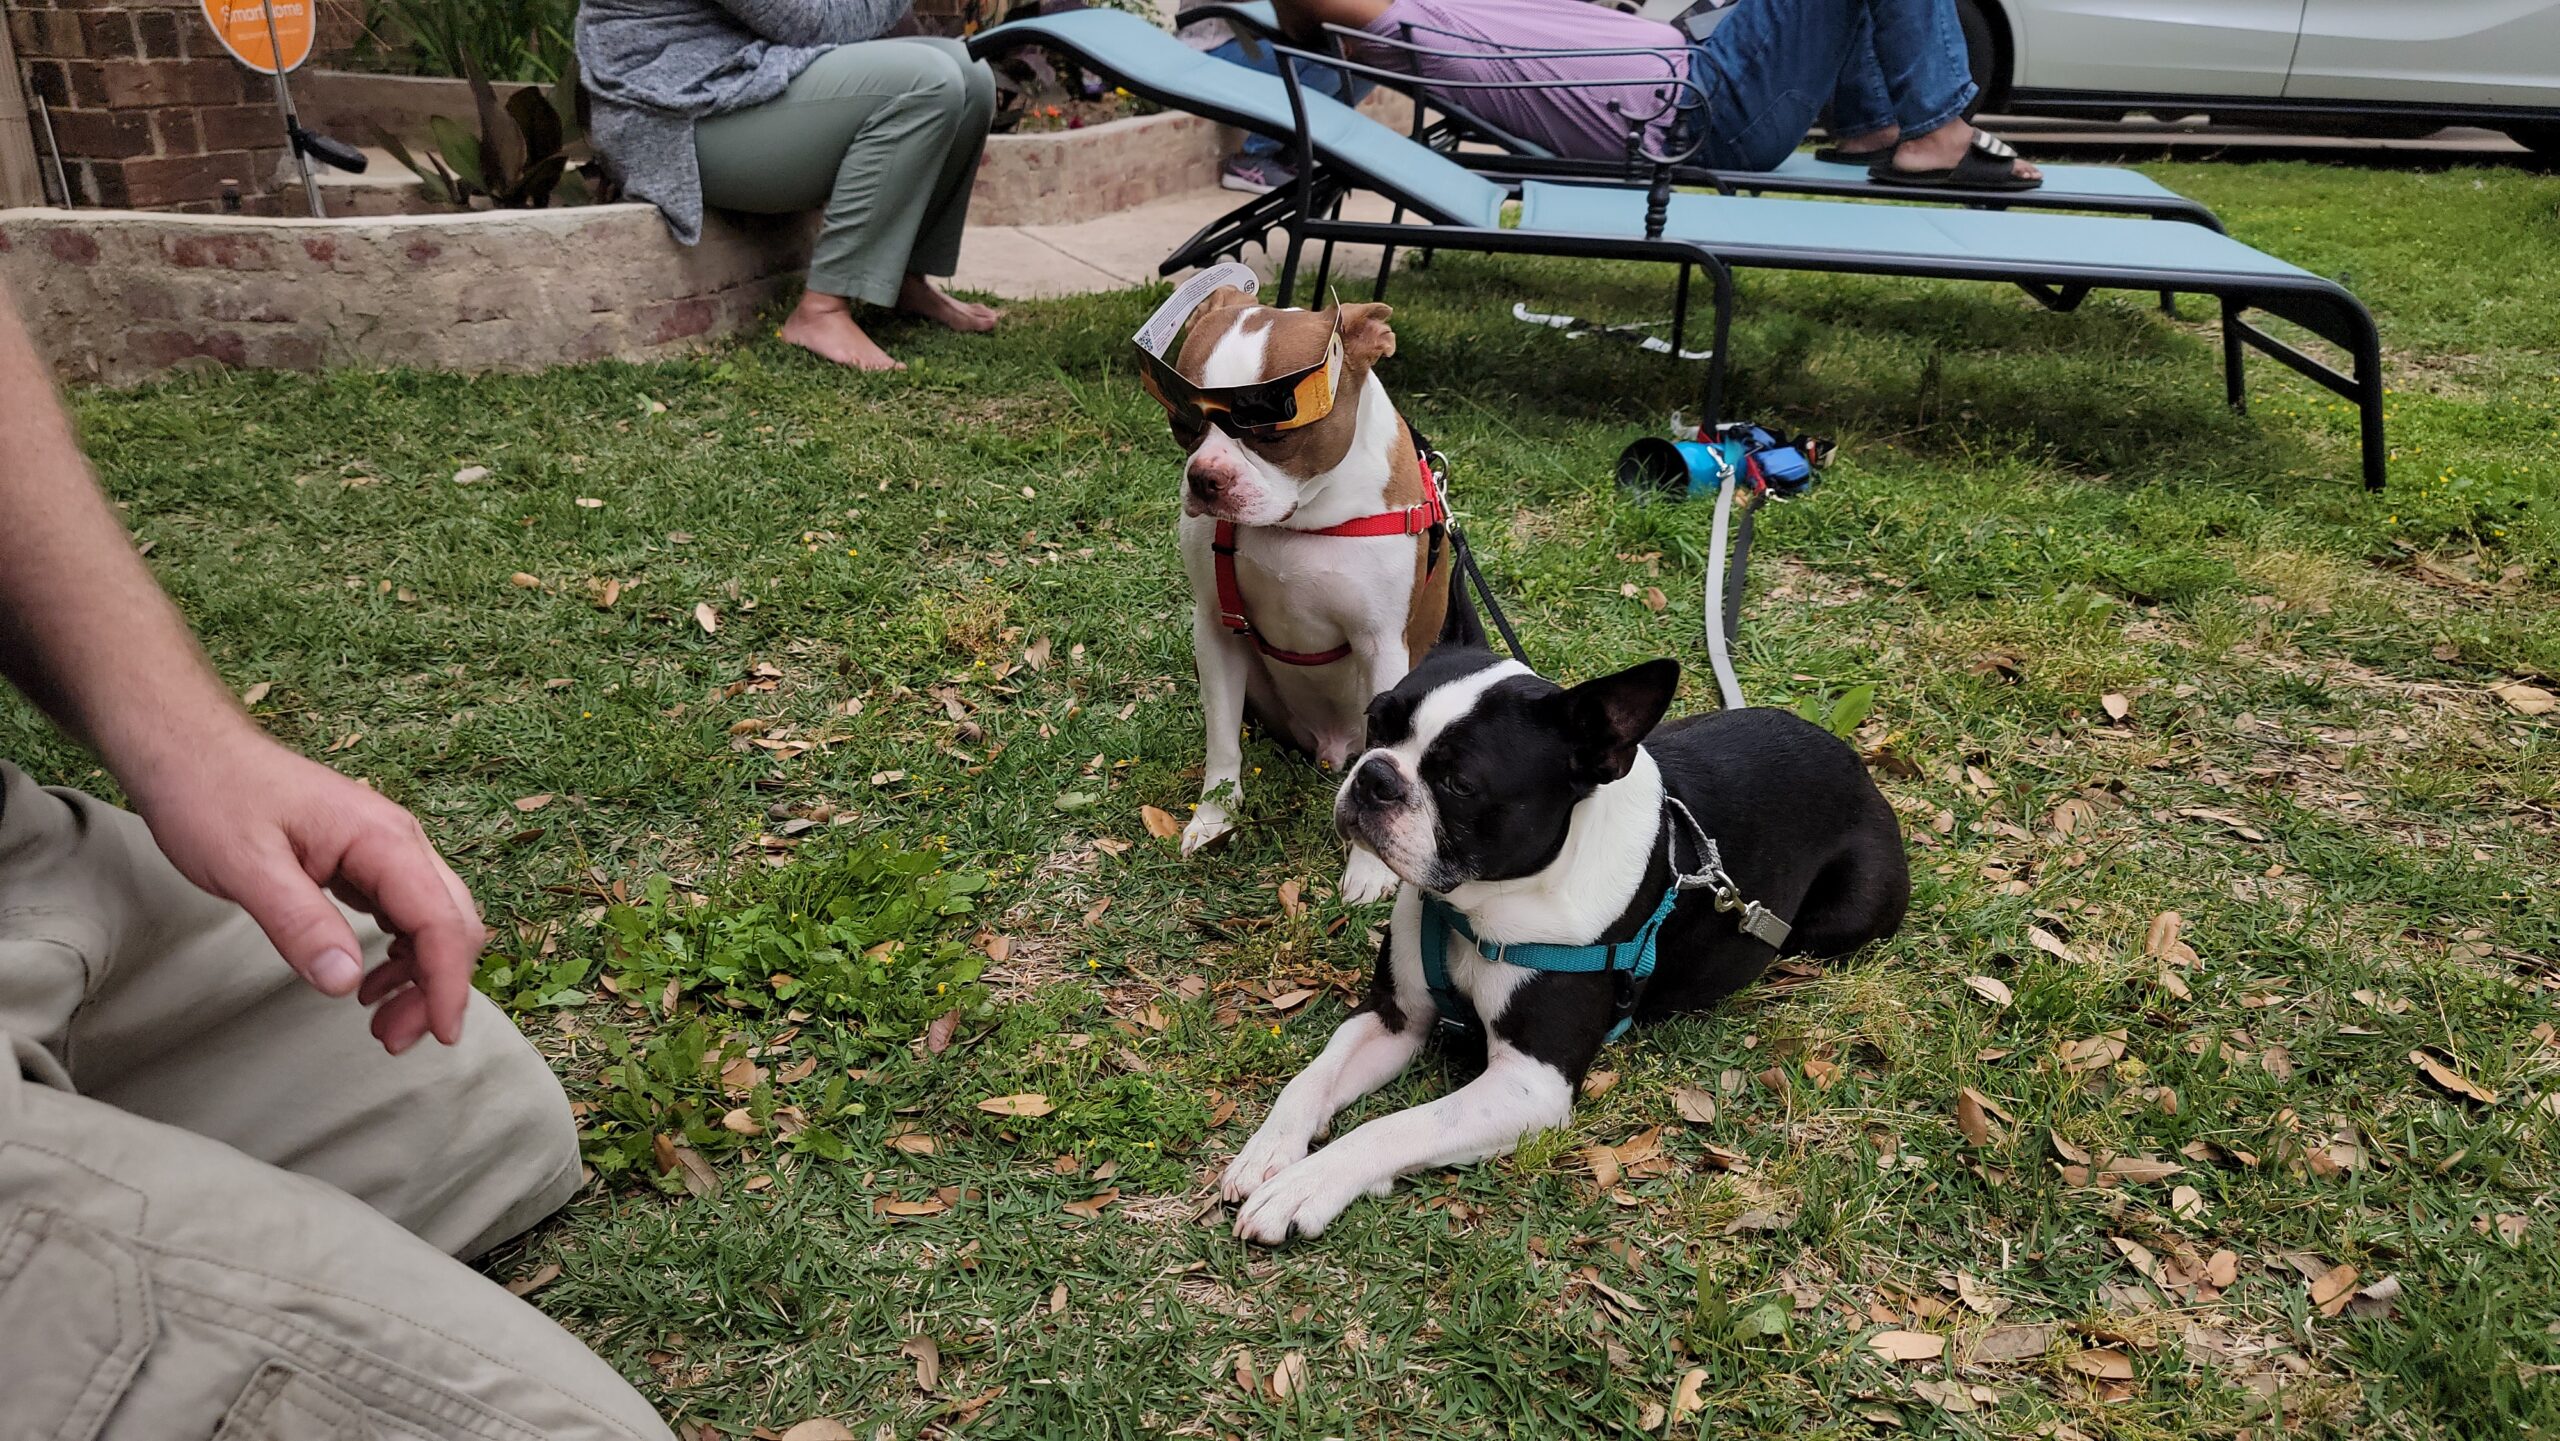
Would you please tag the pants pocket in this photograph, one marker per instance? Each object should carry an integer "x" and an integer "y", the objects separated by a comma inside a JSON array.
[
  {"x": 75, "y": 1323},
  {"x": 285, "y": 1403}
]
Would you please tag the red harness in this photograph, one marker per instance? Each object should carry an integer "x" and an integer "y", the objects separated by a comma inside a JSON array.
[{"x": 1431, "y": 514}]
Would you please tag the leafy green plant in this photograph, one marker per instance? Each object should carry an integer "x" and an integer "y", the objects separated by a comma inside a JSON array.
[
  {"x": 862, "y": 946},
  {"x": 858, "y": 952},
  {"x": 526, "y": 40},
  {"x": 1842, "y": 716},
  {"x": 527, "y": 151}
]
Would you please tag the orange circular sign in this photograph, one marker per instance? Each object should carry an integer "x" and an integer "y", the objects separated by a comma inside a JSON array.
[{"x": 243, "y": 27}]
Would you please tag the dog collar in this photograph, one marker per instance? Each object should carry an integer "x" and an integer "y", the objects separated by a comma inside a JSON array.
[
  {"x": 1630, "y": 962},
  {"x": 1429, "y": 516}
]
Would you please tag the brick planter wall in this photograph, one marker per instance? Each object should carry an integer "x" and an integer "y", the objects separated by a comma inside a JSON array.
[
  {"x": 120, "y": 296},
  {"x": 149, "y": 109}
]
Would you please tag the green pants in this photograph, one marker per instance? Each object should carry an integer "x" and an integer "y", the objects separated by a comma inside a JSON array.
[{"x": 884, "y": 136}]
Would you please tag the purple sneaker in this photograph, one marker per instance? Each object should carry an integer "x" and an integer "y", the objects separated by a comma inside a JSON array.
[{"x": 1254, "y": 175}]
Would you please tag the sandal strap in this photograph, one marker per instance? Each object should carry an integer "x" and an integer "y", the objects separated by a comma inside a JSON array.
[{"x": 1992, "y": 145}]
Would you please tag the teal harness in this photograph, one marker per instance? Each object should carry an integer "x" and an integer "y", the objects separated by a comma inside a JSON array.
[{"x": 1629, "y": 963}]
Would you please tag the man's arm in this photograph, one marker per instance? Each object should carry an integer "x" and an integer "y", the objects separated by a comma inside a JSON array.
[{"x": 89, "y": 636}]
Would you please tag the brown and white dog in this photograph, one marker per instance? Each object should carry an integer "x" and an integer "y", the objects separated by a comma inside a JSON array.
[{"x": 1333, "y": 543}]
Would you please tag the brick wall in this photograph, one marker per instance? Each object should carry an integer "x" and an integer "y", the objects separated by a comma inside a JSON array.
[{"x": 149, "y": 110}]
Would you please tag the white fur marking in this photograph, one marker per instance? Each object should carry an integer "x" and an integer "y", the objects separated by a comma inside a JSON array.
[
  {"x": 1515, "y": 1097},
  {"x": 1607, "y": 846}
]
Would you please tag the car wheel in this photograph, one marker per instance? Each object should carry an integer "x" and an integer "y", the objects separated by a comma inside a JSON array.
[
  {"x": 1981, "y": 53},
  {"x": 2542, "y": 140}
]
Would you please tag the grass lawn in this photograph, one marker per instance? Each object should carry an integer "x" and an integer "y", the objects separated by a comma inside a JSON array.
[{"x": 2137, "y": 1177}]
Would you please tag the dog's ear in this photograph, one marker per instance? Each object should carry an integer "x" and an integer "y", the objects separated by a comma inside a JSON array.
[
  {"x": 1366, "y": 340},
  {"x": 1225, "y": 297},
  {"x": 1606, "y": 719}
]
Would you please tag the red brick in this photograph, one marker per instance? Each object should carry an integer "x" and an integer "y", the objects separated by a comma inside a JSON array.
[
  {"x": 172, "y": 82},
  {"x": 88, "y": 81},
  {"x": 45, "y": 82},
  {"x": 240, "y": 127},
  {"x": 162, "y": 36},
  {"x": 102, "y": 134},
  {"x": 46, "y": 35},
  {"x": 103, "y": 180},
  {"x": 178, "y": 131},
  {"x": 219, "y": 250},
  {"x": 162, "y": 348},
  {"x": 108, "y": 34},
  {"x": 676, "y": 320},
  {"x": 73, "y": 247},
  {"x": 172, "y": 179}
]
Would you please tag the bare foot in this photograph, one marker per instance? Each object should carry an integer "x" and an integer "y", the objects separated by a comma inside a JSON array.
[
  {"x": 918, "y": 297},
  {"x": 824, "y": 325},
  {"x": 1944, "y": 146}
]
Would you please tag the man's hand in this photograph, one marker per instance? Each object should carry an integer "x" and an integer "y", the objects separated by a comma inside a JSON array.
[
  {"x": 268, "y": 831},
  {"x": 86, "y": 633}
]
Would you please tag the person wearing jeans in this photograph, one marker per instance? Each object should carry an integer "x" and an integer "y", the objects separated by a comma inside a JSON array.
[
  {"x": 1898, "y": 96},
  {"x": 1766, "y": 72},
  {"x": 1261, "y": 165},
  {"x": 775, "y": 106}
]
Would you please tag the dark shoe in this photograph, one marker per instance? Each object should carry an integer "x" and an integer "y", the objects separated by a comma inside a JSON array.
[
  {"x": 1834, "y": 155},
  {"x": 1988, "y": 164},
  {"x": 1254, "y": 175}
]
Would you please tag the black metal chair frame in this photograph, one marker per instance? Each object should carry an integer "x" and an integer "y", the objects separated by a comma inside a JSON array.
[{"x": 1311, "y": 212}]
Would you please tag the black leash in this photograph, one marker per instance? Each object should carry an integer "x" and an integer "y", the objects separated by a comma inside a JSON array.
[
  {"x": 1466, "y": 557},
  {"x": 1461, "y": 552}
]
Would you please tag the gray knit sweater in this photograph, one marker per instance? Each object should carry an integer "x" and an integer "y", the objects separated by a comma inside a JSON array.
[{"x": 654, "y": 67}]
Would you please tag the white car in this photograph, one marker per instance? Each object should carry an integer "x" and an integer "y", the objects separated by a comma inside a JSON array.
[{"x": 2381, "y": 67}]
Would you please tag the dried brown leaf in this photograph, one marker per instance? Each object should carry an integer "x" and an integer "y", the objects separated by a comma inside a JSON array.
[
  {"x": 2452, "y": 1080},
  {"x": 1907, "y": 1345},
  {"x": 927, "y": 1354},
  {"x": 1026, "y": 1104},
  {"x": 1091, "y": 1207}
]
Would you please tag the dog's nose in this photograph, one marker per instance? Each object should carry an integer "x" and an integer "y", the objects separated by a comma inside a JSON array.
[
  {"x": 1204, "y": 484},
  {"x": 1378, "y": 786}
]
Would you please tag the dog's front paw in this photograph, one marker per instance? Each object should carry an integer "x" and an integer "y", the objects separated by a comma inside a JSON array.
[
  {"x": 1270, "y": 1152},
  {"x": 1366, "y": 879},
  {"x": 1207, "y": 824},
  {"x": 1303, "y": 1199}
]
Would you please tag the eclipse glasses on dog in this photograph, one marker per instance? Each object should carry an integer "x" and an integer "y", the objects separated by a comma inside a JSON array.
[{"x": 1285, "y": 402}]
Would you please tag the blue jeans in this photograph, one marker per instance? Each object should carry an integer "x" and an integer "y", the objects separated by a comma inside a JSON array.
[
  {"x": 1770, "y": 68},
  {"x": 1319, "y": 79}
]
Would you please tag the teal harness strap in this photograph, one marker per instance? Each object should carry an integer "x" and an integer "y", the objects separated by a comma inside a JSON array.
[{"x": 1631, "y": 960}]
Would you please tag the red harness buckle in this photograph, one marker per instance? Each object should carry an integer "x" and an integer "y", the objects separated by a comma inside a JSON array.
[{"x": 1411, "y": 520}]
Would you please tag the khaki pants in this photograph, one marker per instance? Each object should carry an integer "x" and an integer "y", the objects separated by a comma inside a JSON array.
[
  {"x": 224, "y": 1212},
  {"x": 883, "y": 136}
]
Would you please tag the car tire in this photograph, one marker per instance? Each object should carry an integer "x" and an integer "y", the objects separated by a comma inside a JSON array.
[
  {"x": 2543, "y": 140},
  {"x": 1981, "y": 53}
]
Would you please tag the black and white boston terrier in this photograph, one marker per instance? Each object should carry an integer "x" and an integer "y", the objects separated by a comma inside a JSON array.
[{"x": 1642, "y": 872}]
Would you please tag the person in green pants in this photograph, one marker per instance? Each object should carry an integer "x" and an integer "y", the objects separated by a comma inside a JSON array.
[{"x": 774, "y": 106}]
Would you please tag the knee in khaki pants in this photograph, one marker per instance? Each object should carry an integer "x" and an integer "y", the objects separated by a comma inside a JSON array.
[
  {"x": 223, "y": 1212},
  {"x": 157, "y": 1285}
]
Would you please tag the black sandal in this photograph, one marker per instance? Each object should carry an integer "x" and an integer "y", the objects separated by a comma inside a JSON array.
[
  {"x": 1834, "y": 155},
  {"x": 1988, "y": 164}
]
